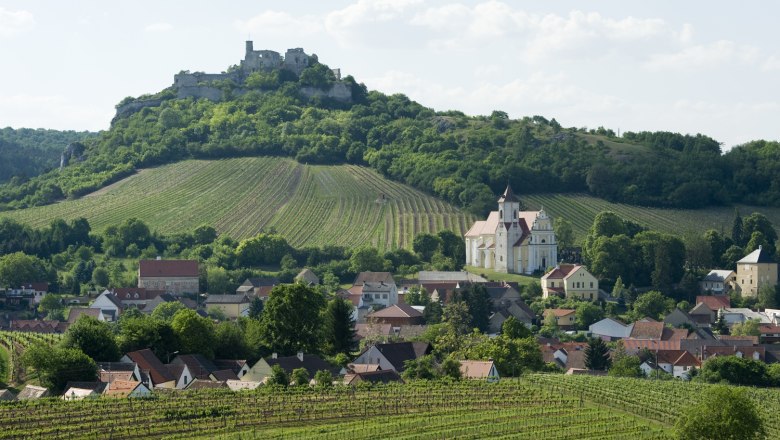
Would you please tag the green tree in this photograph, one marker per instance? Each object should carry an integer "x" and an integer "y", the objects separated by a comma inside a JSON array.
[
  {"x": 256, "y": 308},
  {"x": 230, "y": 342},
  {"x": 587, "y": 314},
  {"x": 511, "y": 356},
  {"x": 165, "y": 311},
  {"x": 137, "y": 333},
  {"x": 450, "y": 367},
  {"x": 433, "y": 313},
  {"x": 479, "y": 304},
  {"x": 597, "y": 355},
  {"x": 262, "y": 249},
  {"x": 564, "y": 232},
  {"x": 278, "y": 376},
  {"x": 368, "y": 259},
  {"x": 292, "y": 319},
  {"x": 19, "y": 268},
  {"x": 423, "y": 367},
  {"x": 426, "y": 245},
  {"x": 195, "y": 333},
  {"x": 751, "y": 327},
  {"x": 452, "y": 245},
  {"x": 513, "y": 328},
  {"x": 652, "y": 304},
  {"x": 50, "y": 304},
  {"x": 299, "y": 377},
  {"x": 737, "y": 234},
  {"x": 57, "y": 366},
  {"x": 339, "y": 327},
  {"x": 769, "y": 297},
  {"x": 722, "y": 413},
  {"x": 204, "y": 234},
  {"x": 735, "y": 370},
  {"x": 100, "y": 277},
  {"x": 218, "y": 280},
  {"x": 93, "y": 338},
  {"x": 417, "y": 296},
  {"x": 323, "y": 379}
]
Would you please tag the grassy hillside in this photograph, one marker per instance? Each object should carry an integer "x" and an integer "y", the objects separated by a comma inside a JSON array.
[
  {"x": 309, "y": 205},
  {"x": 581, "y": 209}
]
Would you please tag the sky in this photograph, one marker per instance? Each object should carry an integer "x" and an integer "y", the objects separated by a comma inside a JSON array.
[{"x": 709, "y": 67}]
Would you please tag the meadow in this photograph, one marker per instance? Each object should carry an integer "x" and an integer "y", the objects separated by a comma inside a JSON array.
[{"x": 309, "y": 205}]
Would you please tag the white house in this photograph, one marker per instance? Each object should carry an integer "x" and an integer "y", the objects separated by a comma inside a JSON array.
[
  {"x": 718, "y": 281},
  {"x": 610, "y": 329},
  {"x": 479, "y": 370},
  {"x": 375, "y": 288},
  {"x": 512, "y": 241},
  {"x": 678, "y": 363},
  {"x": 109, "y": 304}
]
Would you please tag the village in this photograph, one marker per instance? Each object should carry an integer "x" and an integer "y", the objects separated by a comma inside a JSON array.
[{"x": 398, "y": 326}]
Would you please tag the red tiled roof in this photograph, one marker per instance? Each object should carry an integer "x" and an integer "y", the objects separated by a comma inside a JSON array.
[
  {"x": 647, "y": 330},
  {"x": 714, "y": 302},
  {"x": 769, "y": 329},
  {"x": 168, "y": 268},
  {"x": 146, "y": 360},
  {"x": 122, "y": 293},
  {"x": 559, "y": 312},
  {"x": 747, "y": 352},
  {"x": 560, "y": 272},
  {"x": 650, "y": 344}
]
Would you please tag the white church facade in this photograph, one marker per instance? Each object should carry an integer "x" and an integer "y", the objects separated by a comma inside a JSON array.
[{"x": 511, "y": 240}]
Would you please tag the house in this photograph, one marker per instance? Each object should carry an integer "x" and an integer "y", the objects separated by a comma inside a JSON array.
[
  {"x": 76, "y": 312},
  {"x": 127, "y": 388},
  {"x": 770, "y": 333},
  {"x": 166, "y": 298},
  {"x": 108, "y": 304},
  {"x": 239, "y": 367},
  {"x": 27, "y": 295},
  {"x": 38, "y": 326},
  {"x": 678, "y": 363},
  {"x": 391, "y": 356},
  {"x": 257, "y": 287},
  {"x": 376, "y": 288},
  {"x": 306, "y": 276},
  {"x": 135, "y": 296},
  {"x": 205, "y": 384},
  {"x": 702, "y": 314},
  {"x": 74, "y": 393},
  {"x": 181, "y": 374},
  {"x": 496, "y": 321},
  {"x": 199, "y": 366},
  {"x": 479, "y": 370},
  {"x": 241, "y": 385},
  {"x": 380, "y": 376},
  {"x": 718, "y": 282},
  {"x": 679, "y": 318},
  {"x": 746, "y": 352},
  {"x": 173, "y": 276},
  {"x": 520, "y": 311},
  {"x": 159, "y": 375},
  {"x": 564, "y": 317},
  {"x": 7, "y": 395},
  {"x": 502, "y": 293},
  {"x": 311, "y": 363},
  {"x": 736, "y": 315},
  {"x": 512, "y": 241},
  {"x": 565, "y": 355},
  {"x": 397, "y": 315},
  {"x": 610, "y": 329},
  {"x": 427, "y": 276},
  {"x": 110, "y": 371},
  {"x": 233, "y": 306},
  {"x": 570, "y": 281},
  {"x": 32, "y": 392},
  {"x": 755, "y": 271}
]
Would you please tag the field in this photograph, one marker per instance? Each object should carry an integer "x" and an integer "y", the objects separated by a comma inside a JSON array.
[
  {"x": 581, "y": 209},
  {"x": 310, "y": 205}
]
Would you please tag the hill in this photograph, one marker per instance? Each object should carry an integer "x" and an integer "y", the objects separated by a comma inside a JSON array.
[
  {"x": 581, "y": 209},
  {"x": 26, "y": 152},
  {"x": 308, "y": 204}
]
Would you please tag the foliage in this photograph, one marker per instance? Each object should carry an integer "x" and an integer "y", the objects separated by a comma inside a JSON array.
[
  {"x": 722, "y": 413},
  {"x": 450, "y": 368},
  {"x": 623, "y": 364},
  {"x": 299, "y": 377},
  {"x": 278, "y": 376},
  {"x": 512, "y": 357},
  {"x": 735, "y": 370},
  {"x": 166, "y": 311},
  {"x": 587, "y": 314},
  {"x": 515, "y": 329},
  {"x": 229, "y": 341},
  {"x": 479, "y": 304},
  {"x": 195, "y": 333},
  {"x": 292, "y": 320},
  {"x": 339, "y": 326},
  {"x": 93, "y": 338},
  {"x": 19, "y": 268},
  {"x": 137, "y": 333},
  {"x": 652, "y": 304},
  {"x": 751, "y": 327},
  {"x": 423, "y": 367},
  {"x": 323, "y": 379},
  {"x": 57, "y": 366},
  {"x": 597, "y": 355}
]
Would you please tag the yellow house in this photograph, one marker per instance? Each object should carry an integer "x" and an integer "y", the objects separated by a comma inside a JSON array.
[
  {"x": 570, "y": 281},
  {"x": 755, "y": 271},
  {"x": 233, "y": 306},
  {"x": 566, "y": 317}
]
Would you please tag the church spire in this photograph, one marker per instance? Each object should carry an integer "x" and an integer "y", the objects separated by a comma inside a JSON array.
[{"x": 508, "y": 195}]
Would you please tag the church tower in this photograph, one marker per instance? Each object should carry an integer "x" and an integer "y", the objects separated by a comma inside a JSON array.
[{"x": 508, "y": 232}]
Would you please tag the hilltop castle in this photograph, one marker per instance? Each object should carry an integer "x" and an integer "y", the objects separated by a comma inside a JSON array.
[
  {"x": 511, "y": 240},
  {"x": 211, "y": 85}
]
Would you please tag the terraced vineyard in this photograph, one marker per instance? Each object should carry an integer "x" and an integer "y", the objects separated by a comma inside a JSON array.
[
  {"x": 14, "y": 343},
  {"x": 581, "y": 209},
  {"x": 310, "y": 205},
  {"x": 469, "y": 409}
]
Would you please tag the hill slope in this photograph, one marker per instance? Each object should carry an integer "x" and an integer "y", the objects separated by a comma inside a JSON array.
[
  {"x": 581, "y": 209},
  {"x": 309, "y": 205}
]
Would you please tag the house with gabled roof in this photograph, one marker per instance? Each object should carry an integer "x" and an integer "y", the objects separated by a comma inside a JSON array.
[
  {"x": 32, "y": 392},
  {"x": 566, "y": 318},
  {"x": 718, "y": 282},
  {"x": 76, "y": 312},
  {"x": 127, "y": 389},
  {"x": 181, "y": 374},
  {"x": 239, "y": 367},
  {"x": 109, "y": 304},
  {"x": 159, "y": 375},
  {"x": 610, "y": 329},
  {"x": 311, "y": 363},
  {"x": 110, "y": 371},
  {"x": 678, "y": 363},
  {"x": 391, "y": 356},
  {"x": 397, "y": 315},
  {"x": 375, "y": 288},
  {"x": 7, "y": 395},
  {"x": 232, "y": 306},
  {"x": 173, "y": 276},
  {"x": 570, "y": 281},
  {"x": 379, "y": 376},
  {"x": 205, "y": 384},
  {"x": 756, "y": 270},
  {"x": 257, "y": 287},
  {"x": 307, "y": 277},
  {"x": 485, "y": 370}
]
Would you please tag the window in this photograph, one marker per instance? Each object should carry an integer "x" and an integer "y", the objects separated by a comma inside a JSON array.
[
  {"x": 384, "y": 296},
  {"x": 591, "y": 284}
]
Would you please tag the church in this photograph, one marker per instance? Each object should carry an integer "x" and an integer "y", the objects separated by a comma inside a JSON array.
[{"x": 511, "y": 240}]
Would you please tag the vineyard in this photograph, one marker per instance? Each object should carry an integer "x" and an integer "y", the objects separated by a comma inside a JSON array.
[
  {"x": 14, "y": 343},
  {"x": 581, "y": 209},
  {"x": 309, "y": 205},
  {"x": 510, "y": 409}
]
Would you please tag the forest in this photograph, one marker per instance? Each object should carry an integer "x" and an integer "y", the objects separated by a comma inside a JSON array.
[
  {"x": 465, "y": 160},
  {"x": 27, "y": 152}
]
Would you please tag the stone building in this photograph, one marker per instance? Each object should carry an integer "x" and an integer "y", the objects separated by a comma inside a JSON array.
[
  {"x": 173, "y": 276},
  {"x": 511, "y": 240},
  {"x": 755, "y": 271}
]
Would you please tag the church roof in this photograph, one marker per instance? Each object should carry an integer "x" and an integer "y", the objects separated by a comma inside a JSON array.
[{"x": 508, "y": 195}]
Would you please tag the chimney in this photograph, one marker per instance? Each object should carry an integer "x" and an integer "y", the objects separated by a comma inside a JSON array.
[
  {"x": 300, "y": 356},
  {"x": 273, "y": 356}
]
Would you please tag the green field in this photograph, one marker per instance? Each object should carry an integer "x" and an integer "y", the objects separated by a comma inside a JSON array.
[
  {"x": 309, "y": 205},
  {"x": 581, "y": 209}
]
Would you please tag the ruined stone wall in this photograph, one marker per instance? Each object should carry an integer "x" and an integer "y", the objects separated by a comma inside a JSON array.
[{"x": 339, "y": 91}]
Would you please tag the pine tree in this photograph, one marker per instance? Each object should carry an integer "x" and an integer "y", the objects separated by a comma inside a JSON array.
[
  {"x": 597, "y": 355},
  {"x": 339, "y": 326},
  {"x": 737, "y": 234}
]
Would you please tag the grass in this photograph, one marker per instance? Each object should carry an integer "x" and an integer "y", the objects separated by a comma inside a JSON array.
[
  {"x": 310, "y": 205},
  {"x": 492, "y": 275},
  {"x": 581, "y": 209}
]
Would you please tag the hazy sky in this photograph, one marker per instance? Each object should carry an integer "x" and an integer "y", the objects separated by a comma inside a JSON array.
[{"x": 708, "y": 67}]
